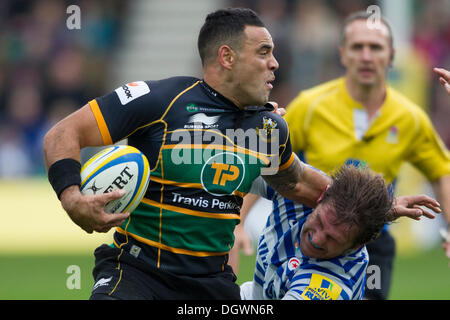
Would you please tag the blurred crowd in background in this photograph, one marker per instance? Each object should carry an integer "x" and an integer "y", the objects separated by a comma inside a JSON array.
[{"x": 48, "y": 70}]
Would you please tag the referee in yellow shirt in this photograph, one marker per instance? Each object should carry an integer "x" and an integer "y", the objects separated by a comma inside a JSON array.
[{"x": 359, "y": 119}]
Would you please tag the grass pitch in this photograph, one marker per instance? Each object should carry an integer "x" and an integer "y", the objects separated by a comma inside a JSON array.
[{"x": 423, "y": 276}]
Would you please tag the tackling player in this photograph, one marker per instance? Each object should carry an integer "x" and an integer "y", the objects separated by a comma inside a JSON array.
[{"x": 319, "y": 254}]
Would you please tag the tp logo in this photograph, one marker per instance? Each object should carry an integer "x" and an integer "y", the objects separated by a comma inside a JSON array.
[{"x": 222, "y": 174}]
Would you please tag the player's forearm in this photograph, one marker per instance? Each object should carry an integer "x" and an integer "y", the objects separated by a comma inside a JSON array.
[
  {"x": 247, "y": 204},
  {"x": 299, "y": 183}
]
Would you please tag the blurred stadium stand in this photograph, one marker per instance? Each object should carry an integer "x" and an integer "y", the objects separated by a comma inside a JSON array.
[
  {"x": 49, "y": 71},
  {"x": 160, "y": 39}
]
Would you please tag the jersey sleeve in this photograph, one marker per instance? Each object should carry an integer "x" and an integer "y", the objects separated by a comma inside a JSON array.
[
  {"x": 128, "y": 108},
  {"x": 286, "y": 155},
  {"x": 428, "y": 153},
  {"x": 259, "y": 187}
]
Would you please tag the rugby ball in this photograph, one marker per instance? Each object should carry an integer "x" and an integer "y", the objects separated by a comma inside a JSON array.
[{"x": 118, "y": 167}]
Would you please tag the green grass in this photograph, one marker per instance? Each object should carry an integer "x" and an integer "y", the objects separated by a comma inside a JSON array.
[
  {"x": 44, "y": 277},
  {"x": 425, "y": 276},
  {"x": 422, "y": 276}
]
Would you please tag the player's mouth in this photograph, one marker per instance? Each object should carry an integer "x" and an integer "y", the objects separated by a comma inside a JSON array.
[{"x": 269, "y": 83}]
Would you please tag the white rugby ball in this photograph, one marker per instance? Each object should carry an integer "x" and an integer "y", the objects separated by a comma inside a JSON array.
[{"x": 118, "y": 167}]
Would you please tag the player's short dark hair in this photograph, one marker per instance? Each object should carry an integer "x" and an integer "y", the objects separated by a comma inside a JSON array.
[
  {"x": 364, "y": 15},
  {"x": 224, "y": 26},
  {"x": 360, "y": 197}
]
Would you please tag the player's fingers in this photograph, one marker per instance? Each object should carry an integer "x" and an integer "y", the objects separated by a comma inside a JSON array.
[
  {"x": 427, "y": 214},
  {"x": 111, "y": 221},
  {"x": 115, "y": 219},
  {"x": 281, "y": 112},
  {"x": 412, "y": 213},
  {"x": 432, "y": 206},
  {"x": 423, "y": 200},
  {"x": 274, "y": 104},
  {"x": 443, "y": 73},
  {"x": 113, "y": 195},
  {"x": 422, "y": 212}
]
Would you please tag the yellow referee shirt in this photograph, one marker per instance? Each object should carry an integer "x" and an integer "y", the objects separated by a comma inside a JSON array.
[{"x": 329, "y": 128}]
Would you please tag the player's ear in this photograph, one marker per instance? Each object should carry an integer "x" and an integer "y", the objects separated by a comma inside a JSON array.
[
  {"x": 322, "y": 194},
  {"x": 226, "y": 56}
]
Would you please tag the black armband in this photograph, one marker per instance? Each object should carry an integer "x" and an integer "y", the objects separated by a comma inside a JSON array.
[{"x": 63, "y": 174}]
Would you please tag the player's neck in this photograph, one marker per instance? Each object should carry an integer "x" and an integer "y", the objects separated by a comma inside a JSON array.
[
  {"x": 225, "y": 88},
  {"x": 371, "y": 97}
]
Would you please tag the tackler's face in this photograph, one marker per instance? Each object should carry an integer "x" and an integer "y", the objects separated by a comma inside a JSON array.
[
  {"x": 323, "y": 237},
  {"x": 254, "y": 67}
]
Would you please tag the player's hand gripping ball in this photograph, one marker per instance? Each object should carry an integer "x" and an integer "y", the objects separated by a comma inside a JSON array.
[{"x": 117, "y": 168}]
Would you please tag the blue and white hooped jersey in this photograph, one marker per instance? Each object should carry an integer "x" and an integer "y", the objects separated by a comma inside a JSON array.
[{"x": 283, "y": 272}]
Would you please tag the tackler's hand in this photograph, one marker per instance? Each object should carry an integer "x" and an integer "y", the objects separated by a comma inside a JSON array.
[
  {"x": 412, "y": 207},
  {"x": 280, "y": 111}
]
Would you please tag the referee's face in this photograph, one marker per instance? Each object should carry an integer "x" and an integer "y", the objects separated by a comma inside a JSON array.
[
  {"x": 253, "y": 71},
  {"x": 366, "y": 53},
  {"x": 323, "y": 237}
]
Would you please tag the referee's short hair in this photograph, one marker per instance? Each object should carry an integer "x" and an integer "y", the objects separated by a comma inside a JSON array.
[
  {"x": 224, "y": 26},
  {"x": 363, "y": 15}
]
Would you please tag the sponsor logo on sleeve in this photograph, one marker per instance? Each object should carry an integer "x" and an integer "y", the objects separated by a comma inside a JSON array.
[
  {"x": 293, "y": 263},
  {"x": 130, "y": 91},
  {"x": 321, "y": 288}
]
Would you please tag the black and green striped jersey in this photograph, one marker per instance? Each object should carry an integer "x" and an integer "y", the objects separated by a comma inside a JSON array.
[{"x": 204, "y": 153}]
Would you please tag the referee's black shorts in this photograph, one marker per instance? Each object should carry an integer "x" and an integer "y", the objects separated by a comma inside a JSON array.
[
  {"x": 119, "y": 275},
  {"x": 381, "y": 253}
]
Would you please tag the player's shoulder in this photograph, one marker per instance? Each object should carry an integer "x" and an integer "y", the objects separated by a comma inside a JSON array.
[
  {"x": 270, "y": 120},
  {"x": 177, "y": 82}
]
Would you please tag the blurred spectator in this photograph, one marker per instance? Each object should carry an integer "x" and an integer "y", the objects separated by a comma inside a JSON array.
[
  {"x": 47, "y": 71},
  {"x": 315, "y": 39},
  {"x": 432, "y": 40},
  {"x": 14, "y": 160},
  {"x": 48, "y": 66},
  {"x": 275, "y": 16}
]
